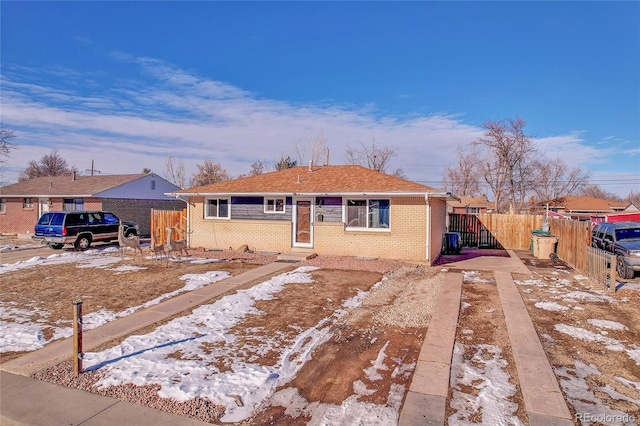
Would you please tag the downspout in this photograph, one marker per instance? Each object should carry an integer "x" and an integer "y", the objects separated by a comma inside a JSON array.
[{"x": 428, "y": 233}]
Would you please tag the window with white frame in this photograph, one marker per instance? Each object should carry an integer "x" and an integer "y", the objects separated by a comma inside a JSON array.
[
  {"x": 3, "y": 205},
  {"x": 216, "y": 208},
  {"x": 72, "y": 204},
  {"x": 27, "y": 203},
  {"x": 274, "y": 205},
  {"x": 367, "y": 213}
]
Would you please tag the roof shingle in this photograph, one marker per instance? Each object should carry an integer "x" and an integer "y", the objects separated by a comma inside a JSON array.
[
  {"x": 82, "y": 186},
  {"x": 321, "y": 180}
]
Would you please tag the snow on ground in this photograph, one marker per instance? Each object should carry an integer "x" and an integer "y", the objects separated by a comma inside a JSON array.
[
  {"x": 150, "y": 359},
  {"x": 21, "y": 327},
  {"x": 351, "y": 411},
  {"x": 484, "y": 372},
  {"x": 580, "y": 384},
  {"x": 584, "y": 400},
  {"x": 16, "y": 247}
]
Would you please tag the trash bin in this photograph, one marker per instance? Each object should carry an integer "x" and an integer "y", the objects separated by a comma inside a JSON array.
[
  {"x": 535, "y": 233},
  {"x": 544, "y": 245},
  {"x": 451, "y": 243}
]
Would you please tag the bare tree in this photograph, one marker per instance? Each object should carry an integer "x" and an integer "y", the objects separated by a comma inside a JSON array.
[
  {"x": 209, "y": 172},
  {"x": 597, "y": 192},
  {"x": 285, "y": 163},
  {"x": 257, "y": 168},
  {"x": 508, "y": 165},
  {"x": 315, "y": 149},
  {"x": 463, "y": 177},
  {"x": 51, "y": 164},
  {"x": 6, "y": 144},
  {"x": 374, "y": 157},
  {"x": 634, "y": 197},
  {"x": 554, "y": 179},
  {"x": 174, "y": 171}
]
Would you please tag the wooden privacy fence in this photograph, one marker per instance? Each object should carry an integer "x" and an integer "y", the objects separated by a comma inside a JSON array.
[
  {"x": 512, "y": 231},
  {"x": 573, "y": 238},
  {"x": 163, "y": 219}
]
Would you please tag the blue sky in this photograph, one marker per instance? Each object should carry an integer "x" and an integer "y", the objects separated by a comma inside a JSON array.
[{"x": 128, "y": 84}]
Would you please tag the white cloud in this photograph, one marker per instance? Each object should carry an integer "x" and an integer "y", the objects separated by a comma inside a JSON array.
[{"x": 137, "y": 123}]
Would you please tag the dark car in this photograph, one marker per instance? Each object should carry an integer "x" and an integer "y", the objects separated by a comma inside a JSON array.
[
  {"x": 80, "y": 228},
  {"x": 623, "y": 240}
]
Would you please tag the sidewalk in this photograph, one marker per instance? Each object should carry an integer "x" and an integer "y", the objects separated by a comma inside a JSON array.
[
  {"x": 27, "y": 401},
  {"x": 426, "y": 400}
]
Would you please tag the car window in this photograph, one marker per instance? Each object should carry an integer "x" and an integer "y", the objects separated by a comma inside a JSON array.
[
  {"x": 45, "y": 219},
  {"x": 627, "y": 234},
  {"x": 76, "y": 219},
  {"x": 51, "y": 219},
  {"x": 94, "y": 218},
  {"x": 110, "y": 218}
]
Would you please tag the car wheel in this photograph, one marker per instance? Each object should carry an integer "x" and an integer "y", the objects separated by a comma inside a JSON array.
[
  {"x": 130, "y": 233},
  {"x": 56, "y": 246},
  {"x": 83, "y": 242},
  {"x": 624, "y": 271}
]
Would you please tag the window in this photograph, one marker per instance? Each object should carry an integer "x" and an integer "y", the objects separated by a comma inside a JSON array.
[
  {"x": 27, "y": 203},
  {"x": 367, "y": 214},
  {"x": 153, "y": 185},
  {"x": 216, "y": 208},
  {"x": 473, "y": 210},
  {"x": 72, "y": 204},
  {"x": 274, "y": 205},
  {"x": 3, "y": 205}
]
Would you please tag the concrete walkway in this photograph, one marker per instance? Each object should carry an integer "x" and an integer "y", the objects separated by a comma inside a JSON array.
[
  {"x": 426, "y": 400},
  {"x": 27, "y": 401}
]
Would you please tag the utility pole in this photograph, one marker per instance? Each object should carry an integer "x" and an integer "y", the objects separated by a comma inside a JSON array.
[{"x": 92, "y": 170}]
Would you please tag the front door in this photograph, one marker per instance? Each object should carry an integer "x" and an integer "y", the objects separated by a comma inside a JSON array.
[
  {"x": 44, "y": 206},
  {"x": 303, "y": 222}
]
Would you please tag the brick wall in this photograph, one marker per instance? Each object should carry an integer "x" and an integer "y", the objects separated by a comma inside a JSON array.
[
  {"x": 16, "y": 219},
  {"x": 259, "y": 235},
  {"x": 405, "y": 240}
]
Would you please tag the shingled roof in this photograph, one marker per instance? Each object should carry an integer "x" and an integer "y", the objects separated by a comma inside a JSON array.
[
  {"x": 574, "y": 203},
  {"x": 80, "y": 186},
  {"x": 346, "y": 179}
]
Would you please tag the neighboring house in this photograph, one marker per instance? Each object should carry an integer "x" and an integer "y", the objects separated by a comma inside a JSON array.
[
  {"x": 129, "y": 197},
  {"x": 583, "y": 207},
  {"x": 471, "y": 205},
  {"x": 331, "y": 210}
]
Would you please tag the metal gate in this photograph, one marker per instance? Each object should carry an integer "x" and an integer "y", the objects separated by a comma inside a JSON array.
[{"x": 472, "y": 232}]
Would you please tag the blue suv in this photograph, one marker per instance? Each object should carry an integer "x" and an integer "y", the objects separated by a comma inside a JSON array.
[{"x": 80, "y": 228}]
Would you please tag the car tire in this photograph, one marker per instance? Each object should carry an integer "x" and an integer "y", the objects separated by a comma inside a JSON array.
[
  {"x": 83, "y": 242},
  {"x": 56, "y": 246},
  {"x": 623, "y": 270},
  {"x": 130, "y": 233}
]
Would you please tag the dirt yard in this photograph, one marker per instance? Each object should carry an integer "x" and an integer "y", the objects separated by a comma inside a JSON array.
[{"x": 370, "y": 350}]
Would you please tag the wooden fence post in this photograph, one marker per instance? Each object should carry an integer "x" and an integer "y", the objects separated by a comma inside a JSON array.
[
  {"x": 77, "y": 337},
  {"x": 613, "y": 273}
]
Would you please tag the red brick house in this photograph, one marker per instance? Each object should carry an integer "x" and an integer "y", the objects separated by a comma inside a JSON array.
[
  {"x": 129, "y": 197},
  {"x": 343, "y": 210}
]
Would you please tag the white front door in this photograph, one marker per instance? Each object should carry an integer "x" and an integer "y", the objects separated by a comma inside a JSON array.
[
  {"x": 44, "y": 206},
  {"x": 303, "y": 222}
]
